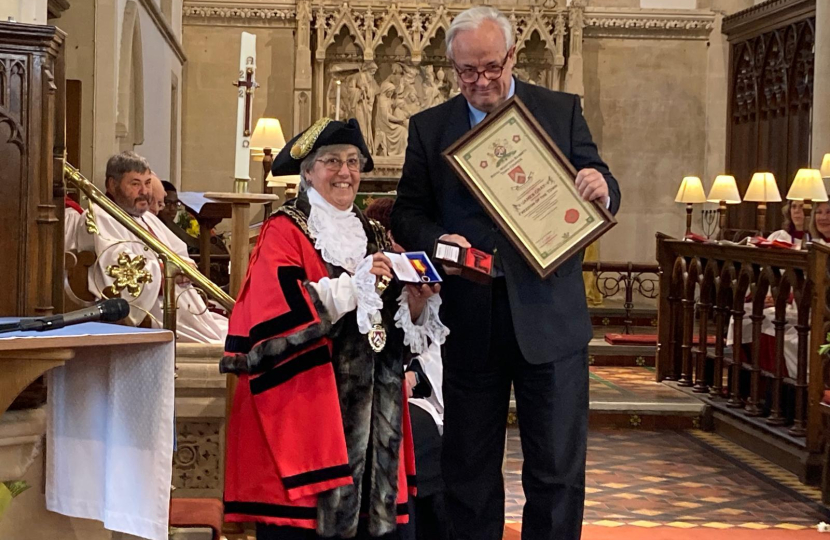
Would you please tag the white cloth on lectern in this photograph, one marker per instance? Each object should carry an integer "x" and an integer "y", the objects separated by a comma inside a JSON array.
[{"x": 110, "y": 438}]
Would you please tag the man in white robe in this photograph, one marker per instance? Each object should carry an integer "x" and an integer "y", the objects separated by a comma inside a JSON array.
[{"x": 129, "y": 185}]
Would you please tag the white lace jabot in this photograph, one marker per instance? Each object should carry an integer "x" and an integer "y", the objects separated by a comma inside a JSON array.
[{"x": 338, "y": 234}]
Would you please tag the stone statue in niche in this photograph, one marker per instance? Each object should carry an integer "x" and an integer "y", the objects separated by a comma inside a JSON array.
[
  {"x": 362, "y": 101},
  {"x": 524, "y": 74},
  {"x": 442, "y": 84},
  {"x": 346, "y": 73},
  {"x": 392, "y": 122},
  {"x": 432, "y": 94},
  {"x": 409, "y": 92}
]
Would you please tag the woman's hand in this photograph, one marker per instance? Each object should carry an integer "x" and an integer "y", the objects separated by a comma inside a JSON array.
[
  {"x": 418, "y": 296},
  {"x": 381, "y": 266}
]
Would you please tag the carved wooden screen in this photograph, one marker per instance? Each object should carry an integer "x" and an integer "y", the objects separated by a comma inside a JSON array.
[
  {"x": 30, "y": 65},
  {"x": 770, "y": 98}
]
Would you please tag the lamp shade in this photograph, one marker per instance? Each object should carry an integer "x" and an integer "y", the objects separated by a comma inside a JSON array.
[
  {"x": 825, "y": 166},
  {"x": 724, "y": 189},
  {"x": 691, "y": 191},
  {"x": 807, "y": 185},
  {"x": 268, "y": 134},
  {"x": 762, "y": 188}
]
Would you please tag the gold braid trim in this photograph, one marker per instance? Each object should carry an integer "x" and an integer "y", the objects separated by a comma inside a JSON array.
[{"x": 306, "y": 141}]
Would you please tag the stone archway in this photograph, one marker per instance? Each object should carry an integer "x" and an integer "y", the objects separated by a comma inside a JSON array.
[{"x": 129, "y": 126}]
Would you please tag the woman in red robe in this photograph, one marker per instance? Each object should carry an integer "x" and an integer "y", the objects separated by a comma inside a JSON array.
[{"x": 319, "y": 439}]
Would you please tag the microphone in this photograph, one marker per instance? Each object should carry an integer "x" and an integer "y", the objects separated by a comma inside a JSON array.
[{"x": 107, "y": 311}]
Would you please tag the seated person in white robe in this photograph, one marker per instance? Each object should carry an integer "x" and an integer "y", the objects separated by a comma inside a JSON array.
[
  {"x": 793, "y": 226},
  {"x": 128, "y": 184}
]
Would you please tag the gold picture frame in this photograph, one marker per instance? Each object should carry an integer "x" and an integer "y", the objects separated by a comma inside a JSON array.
[{"x": 526, "y": 184}]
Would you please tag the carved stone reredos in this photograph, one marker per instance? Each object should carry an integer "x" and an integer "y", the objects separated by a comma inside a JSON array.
[{"x": 390, "y": 60}]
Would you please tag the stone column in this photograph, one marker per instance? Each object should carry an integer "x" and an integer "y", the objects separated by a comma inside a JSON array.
[
  {"x": 302, "y": 69},
  {"x": 821, "y": 85},
  {"x": 717, "y": 96},
  {"x": 574, "y": 77}
]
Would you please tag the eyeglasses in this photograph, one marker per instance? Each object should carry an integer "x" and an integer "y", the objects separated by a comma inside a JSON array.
[
  {"x": 334, "y": 164},
  {"x": 168, "y": 202},
  {"x": 491, "y": 73}
]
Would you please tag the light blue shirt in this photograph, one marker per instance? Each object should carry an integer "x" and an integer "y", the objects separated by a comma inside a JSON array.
[{"x": 477, "y": 116}]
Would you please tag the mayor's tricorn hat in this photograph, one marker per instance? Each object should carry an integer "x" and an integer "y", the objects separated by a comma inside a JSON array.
[{"x": 324, "y": 132}]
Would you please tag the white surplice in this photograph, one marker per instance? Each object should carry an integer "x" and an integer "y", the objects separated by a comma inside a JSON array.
[{"x": 195, "y": 324}]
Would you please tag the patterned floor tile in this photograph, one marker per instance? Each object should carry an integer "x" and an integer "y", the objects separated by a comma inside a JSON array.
[{"x": 689, "y": 479}]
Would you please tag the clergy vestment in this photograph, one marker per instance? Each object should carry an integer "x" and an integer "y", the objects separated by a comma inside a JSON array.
[{"x": 194, "y": 323}]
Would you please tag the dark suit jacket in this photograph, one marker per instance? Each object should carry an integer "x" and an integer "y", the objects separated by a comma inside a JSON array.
[{"x": 550, "y": 316}]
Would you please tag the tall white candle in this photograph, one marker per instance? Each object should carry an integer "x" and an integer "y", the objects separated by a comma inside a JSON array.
[
  {"x": 247, "y": 59},
  {"x": 337, "y": 103}
]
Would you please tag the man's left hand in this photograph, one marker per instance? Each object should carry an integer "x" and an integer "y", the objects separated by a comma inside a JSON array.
[
  {"x": 418, "y": 296},
  {"x": 591, "y": 186}
]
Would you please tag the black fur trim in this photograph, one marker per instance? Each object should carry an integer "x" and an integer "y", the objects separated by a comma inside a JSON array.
[
  {"x": 272, "y": 352},
  {"x": 278, "y": 375},
  {"x": 403, "y": 509},
  {"x": 271, "y": 510},
  {"x": 315, "y": 477}
]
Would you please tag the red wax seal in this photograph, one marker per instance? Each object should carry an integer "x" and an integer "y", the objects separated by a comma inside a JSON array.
[{"x": 571, "y": 215}]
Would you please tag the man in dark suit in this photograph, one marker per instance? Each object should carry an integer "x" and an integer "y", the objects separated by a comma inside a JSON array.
[{"x": 522, "y": 329}]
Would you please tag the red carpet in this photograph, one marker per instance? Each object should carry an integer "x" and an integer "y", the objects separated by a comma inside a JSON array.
[
  {"x": 591, "y": 532},
  {"x": 647, "y": 339}
]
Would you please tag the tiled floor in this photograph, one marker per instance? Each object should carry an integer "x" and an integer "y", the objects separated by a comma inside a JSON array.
[
  {"x": 682, "y": 479},
  {"x": 631, "y": 385}
]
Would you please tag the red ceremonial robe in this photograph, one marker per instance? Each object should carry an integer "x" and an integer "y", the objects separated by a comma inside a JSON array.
[{"x": 319, "y": 433}]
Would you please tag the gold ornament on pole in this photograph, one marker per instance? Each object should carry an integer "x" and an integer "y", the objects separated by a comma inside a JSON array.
[
  {"x": 724, "y": 191},
  {"x": 762, "y": 189},
  {"x": 690, "y": 192}
]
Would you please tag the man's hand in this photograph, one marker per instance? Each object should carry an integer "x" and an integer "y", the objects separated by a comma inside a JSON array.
[
  {"x": 411, "y": 383},
  {"x": 181, "y": 279},
  {"x": 418, "y": 296},
  {"x": 458, "y": 240},
  {"x": 591, "y": 186}
]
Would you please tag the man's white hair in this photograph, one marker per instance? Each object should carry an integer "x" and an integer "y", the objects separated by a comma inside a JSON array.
[{"x": 472, "y": 18}]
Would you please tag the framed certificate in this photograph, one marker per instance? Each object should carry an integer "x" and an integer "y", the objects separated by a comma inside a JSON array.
[{"x": 526, "y": 184}]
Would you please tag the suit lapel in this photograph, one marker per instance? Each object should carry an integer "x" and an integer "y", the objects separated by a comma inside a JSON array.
[{"x": 458, "y": 122}]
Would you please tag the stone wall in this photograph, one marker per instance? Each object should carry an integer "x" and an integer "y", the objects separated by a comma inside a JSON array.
[
  {"x": 645, "y": 102},
  {"x": 210, "y": 102}
]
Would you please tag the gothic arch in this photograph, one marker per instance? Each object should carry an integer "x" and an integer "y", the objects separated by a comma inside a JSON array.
[{"x": 129, "y": 127}]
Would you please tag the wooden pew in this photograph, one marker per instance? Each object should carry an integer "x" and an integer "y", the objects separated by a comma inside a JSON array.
[{"x": 704, "y": 287}]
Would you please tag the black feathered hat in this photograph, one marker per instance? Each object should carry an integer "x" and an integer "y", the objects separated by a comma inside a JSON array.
[{"x": 324, "y": 132}]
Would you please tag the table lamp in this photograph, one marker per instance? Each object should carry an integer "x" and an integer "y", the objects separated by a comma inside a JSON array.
[
  {"x": 808, "y": 187},
  {"x": 266, "y": 140},
  {"x": 825, "y": 166},
  {"x": 724, "y": 191},
  {"x": 690, "y": 192},
  {"x": 288, "y": 182},
  {"x": 762, "y": 189}
]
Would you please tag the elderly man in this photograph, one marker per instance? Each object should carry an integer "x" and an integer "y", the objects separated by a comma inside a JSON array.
[
  {"x": 521, "y": 330},
  {"x": 129, "y": 184}
]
